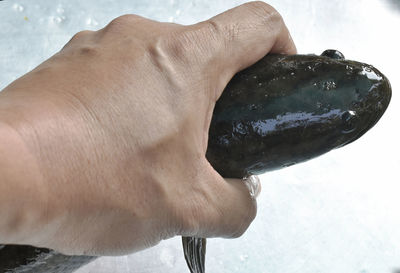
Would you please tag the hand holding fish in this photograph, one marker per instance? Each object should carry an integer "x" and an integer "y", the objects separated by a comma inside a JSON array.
[{"x": 103, "y": 145}]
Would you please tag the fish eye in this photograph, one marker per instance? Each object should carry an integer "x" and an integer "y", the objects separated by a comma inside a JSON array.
[
  {"x": 333, "y": 54},
  {"x": 349, "y": 121}
]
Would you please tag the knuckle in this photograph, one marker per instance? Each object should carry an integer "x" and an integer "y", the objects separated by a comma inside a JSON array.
[
  {"x": 212, "y": 27},
  {"x": 212, "y": 37},
  {"x": 125, "y": 19},
  {"x": 263, "y": 11},
  {"x": 81, "y": 35},
  {"x": 78, "y": 38},
  {"x": 82, "y": 44},
  {"x": 194, "y": 44},
  {"x": 227, "y": 33},
  {"x": 122, "y": 22}
]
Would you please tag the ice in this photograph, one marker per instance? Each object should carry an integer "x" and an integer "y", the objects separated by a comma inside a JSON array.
[
  {"x": 91, "y": 22},
  {"x": 168, "y": 257},
  {"x": 18, "y": 7},
  {"x": 337, "y": 213}
]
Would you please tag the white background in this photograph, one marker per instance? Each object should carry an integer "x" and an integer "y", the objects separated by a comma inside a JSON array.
[{"x": 337, "y": 213}]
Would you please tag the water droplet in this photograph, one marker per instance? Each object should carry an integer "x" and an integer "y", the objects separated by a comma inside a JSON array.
[
  {"x": 292, "y": 73},
  {"x": 18, "y": 7},
  {"x": 253, "y": 184},
  {"x": 328, "y": 85},
  {"x": 370, "y": 74},
  {"x": 60, "y": 10},
  {"x": 178, "y": 12},
  {"x": 349, "y": 119},
  {"x": 57, "y": 19},
  {"x": 243, "y": 257},
  {"x": 252, "y": 107},
  {"x": 260, "y": 84},
  {"x": 255, "y": 77},
  {"x": 91, "y": 22}
]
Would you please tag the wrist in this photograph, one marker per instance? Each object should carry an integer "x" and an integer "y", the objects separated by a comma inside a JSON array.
[{"x": 22, "y": 193}]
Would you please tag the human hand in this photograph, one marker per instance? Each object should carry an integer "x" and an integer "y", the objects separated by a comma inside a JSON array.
[{"x": 115, "y": 129}]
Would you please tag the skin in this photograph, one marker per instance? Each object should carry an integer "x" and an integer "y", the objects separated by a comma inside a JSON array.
[{"x": 103, "y": 145}]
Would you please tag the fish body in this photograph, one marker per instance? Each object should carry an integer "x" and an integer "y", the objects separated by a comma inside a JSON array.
[
  {"x": 30, "y": 259},
  {"x": 278, "y": 112},
  {"x": 287, "y": 109}
]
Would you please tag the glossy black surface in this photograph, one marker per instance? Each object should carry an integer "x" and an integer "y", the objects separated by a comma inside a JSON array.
[
  {"x": 19, "y": 259},
  {"x": 333, "y": 53},
  {"x": 285, "y": 110}
]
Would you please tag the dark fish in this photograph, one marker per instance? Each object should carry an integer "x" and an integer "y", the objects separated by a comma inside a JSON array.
[
  {"x": 285, "y": 110},
  {"x": 280, "y": 111},
  {"x": 21, "y": 259}
]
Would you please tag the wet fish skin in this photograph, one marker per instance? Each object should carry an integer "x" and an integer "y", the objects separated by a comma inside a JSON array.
[
  {"x": 285, "y": 110},
  {"x": 24, "y": 259},
  {"x": 267, "y": 118}
]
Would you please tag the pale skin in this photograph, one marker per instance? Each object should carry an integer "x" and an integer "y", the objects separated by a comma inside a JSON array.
[{"x": 103, "y": 145}]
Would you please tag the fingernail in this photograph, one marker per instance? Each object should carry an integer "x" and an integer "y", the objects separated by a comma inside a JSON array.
[{"x": 253, "y": 184}]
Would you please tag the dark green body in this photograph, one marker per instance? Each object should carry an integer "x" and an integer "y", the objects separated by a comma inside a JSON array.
[
  {"x": 18, "y": 259},
  {"x": 285, "y": 110},
  {"x": 281, "y": 111}
]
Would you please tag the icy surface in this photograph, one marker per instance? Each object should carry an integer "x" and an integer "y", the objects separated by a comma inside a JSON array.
[{"x": 338, "y": 213}]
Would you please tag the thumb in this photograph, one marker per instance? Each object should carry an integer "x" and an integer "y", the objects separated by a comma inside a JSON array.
[{"x": 229, "y": 208}]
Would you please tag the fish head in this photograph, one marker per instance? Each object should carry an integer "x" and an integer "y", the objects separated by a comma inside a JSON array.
[{"x": 361, "y": 97}]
